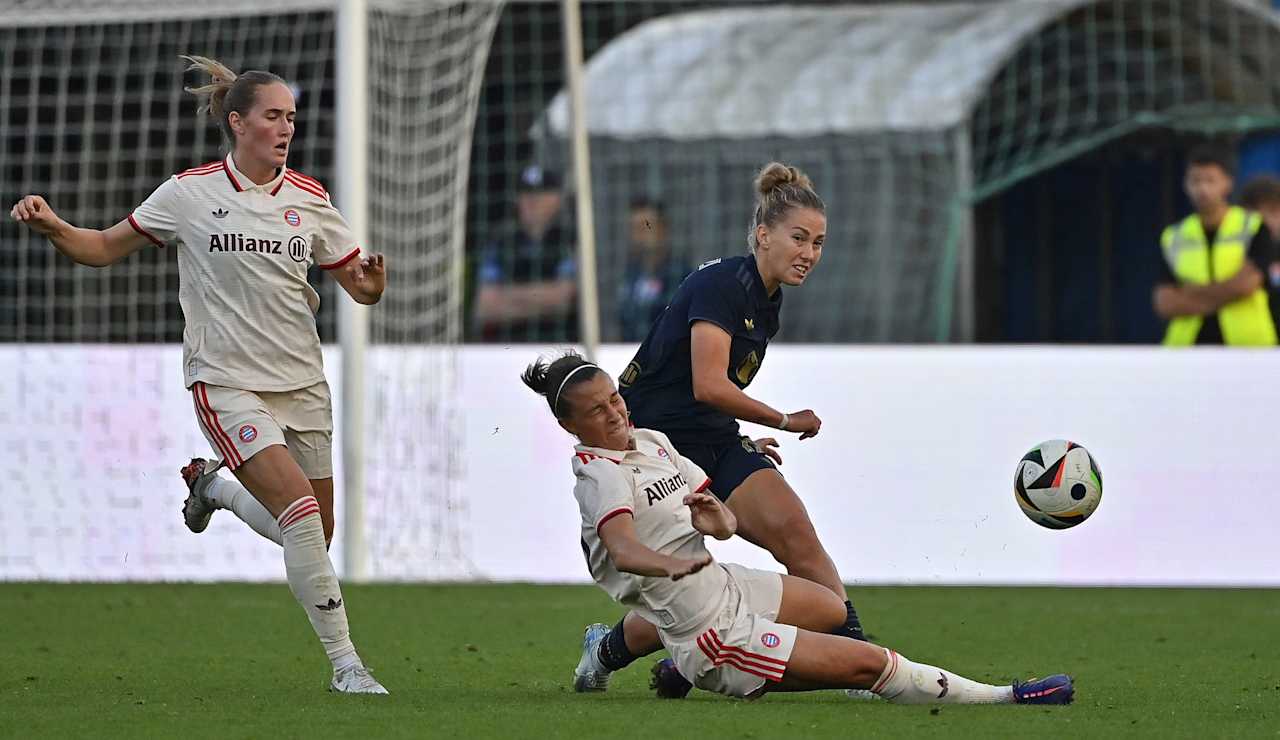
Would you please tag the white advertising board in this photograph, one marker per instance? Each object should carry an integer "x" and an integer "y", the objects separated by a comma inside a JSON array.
[{"x": 910, "y": 480}]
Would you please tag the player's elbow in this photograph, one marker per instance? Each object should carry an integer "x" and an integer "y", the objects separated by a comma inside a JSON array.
[
  {"x": 705, "y": 390},
  {"x": 626, "y": 557}
]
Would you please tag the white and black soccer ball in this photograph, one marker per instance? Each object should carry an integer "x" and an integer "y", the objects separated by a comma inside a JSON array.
[{"x": 1058, "y": 484}]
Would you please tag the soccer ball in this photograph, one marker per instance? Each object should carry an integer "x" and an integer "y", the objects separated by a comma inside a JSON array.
[{"x": 1058, "y": 484}]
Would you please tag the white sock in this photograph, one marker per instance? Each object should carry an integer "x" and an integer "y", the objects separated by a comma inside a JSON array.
[
  {"x": 230, "y": 495},
  {"x": 905, "y": 682},
  {"x": 313, "y": 580}
]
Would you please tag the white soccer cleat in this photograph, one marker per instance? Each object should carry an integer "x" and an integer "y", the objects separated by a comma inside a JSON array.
[
  {"x": 862, "y": 694},
  {"x": 356, "y": 680},
  {"x": 591, "y": 675},
  {"x": 198, "y": 509}
]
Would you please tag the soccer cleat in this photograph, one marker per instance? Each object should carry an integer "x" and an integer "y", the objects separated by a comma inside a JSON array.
[
  {"x": 591, "y": 675},
  {"x": 1056, "y": 689},
  {"x": 356, "y": 680},
  {"x": 667, "y": 682},
  {"x": 197, "y": 509},
  {"x": 861, "y": 694}
]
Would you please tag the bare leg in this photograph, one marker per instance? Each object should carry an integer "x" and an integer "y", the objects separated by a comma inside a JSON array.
[
  {"x": 323, "y": 490},
  {"x": 771, "y": 515},
  {"x": 641, "y": 637}
]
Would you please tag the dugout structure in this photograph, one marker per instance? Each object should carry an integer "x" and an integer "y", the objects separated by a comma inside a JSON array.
[{"x": 906, "y": 116}]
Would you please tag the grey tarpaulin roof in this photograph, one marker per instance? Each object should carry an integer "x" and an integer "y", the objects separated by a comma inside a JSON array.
[{"x": 803, "y": 71}]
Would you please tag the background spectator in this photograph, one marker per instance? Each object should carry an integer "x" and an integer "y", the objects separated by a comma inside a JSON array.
[
  {"x": 652, "y": 273},
  {"x": 526, "y": 280}
]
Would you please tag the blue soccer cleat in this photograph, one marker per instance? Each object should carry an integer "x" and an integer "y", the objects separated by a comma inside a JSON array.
[
  {"x": 667, "y": 682},
  {"x": 1056, "y": 689},
  {"x": 591, "y": 675}
]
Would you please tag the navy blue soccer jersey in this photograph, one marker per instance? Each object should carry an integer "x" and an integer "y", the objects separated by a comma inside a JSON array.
[{"x": 658, "y": 384}]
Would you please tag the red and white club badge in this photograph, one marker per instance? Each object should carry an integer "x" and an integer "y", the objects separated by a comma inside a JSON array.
[
  {"x": 770, "y": 640},
  {"x": 292, "y": 218},
  {"x": 247, "y": 433}
]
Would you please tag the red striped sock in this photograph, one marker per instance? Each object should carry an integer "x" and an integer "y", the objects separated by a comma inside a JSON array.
[{"x": 296, "y": 512}]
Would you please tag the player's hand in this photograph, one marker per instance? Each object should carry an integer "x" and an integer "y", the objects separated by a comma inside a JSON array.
[
  {"x": 35, "y": 212},
  {"x": 681, "y": 567},
  {"x": 709, "y": 516},
  {"x": 370, "y": 274},
  {"x": 805, "y": 422},
  {"x": 765, "y": 446}
]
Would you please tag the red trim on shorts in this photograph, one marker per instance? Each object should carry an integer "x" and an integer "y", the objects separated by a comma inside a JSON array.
[
  {"x": 748, "y": 654},
  {"x": 890, "y": 670},
  {"x": 335, "y": 265},
  {"x": 612, "y": 514},
  {"x": 226, "y": 168},
  {"x": 310, "y": 186},
  {"x": 720, "y": 654},
  {"x": 233, "y": 460},
  {"x": 705, "y": 485},
  {"x": 138, "y": 228},
  {"x": 204, "y": 424}
]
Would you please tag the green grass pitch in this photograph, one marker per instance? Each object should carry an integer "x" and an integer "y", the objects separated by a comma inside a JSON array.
[{"x": 478, "y": 661}]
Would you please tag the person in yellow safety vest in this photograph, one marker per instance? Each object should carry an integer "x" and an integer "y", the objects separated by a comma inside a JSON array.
[{"x": 1212, "y": 290}]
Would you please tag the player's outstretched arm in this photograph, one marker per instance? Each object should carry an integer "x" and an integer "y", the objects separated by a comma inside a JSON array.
[
  {"x": 364, "y": 279},
  {"x": 93, "y": 247},
  {"x": 709, "y": 347},
  {"x": 630, "y": 555}
]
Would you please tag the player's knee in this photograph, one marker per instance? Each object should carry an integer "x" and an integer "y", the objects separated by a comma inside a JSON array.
[{"x": 832, "y": 611}]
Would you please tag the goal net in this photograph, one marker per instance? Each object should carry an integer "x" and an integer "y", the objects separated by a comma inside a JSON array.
[{"x": 96, "y": 422}]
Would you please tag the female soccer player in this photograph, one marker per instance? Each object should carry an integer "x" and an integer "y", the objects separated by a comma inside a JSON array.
[
  {"x": 686, "y": 381},
  {"x": 730, "y": 629},
  {"x": 246, "y": 229}
]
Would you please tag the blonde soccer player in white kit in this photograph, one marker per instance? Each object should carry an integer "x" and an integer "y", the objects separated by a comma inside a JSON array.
[
  {"x": 246, "y": 229},
  {"x": 730, "y": 629}
]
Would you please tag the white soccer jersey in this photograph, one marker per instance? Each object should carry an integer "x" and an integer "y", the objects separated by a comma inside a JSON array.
[
  {"x": 243, "y": 254},
  {"x": 650, "y": 483}
]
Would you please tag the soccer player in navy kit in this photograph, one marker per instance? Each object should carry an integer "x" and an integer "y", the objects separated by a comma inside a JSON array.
[{"x": 687, "y": 381}]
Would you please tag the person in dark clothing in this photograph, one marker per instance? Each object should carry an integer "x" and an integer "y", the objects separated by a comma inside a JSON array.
[
  {"x": 652, "y": 273},
  {"x": 527, "y": 290}
]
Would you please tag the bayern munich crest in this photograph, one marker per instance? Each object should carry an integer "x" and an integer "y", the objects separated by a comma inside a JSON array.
[
  {"x": 770, "y": 640},
  {"x": 292, "y": 218},
  {"x": 247, "y": 433}
]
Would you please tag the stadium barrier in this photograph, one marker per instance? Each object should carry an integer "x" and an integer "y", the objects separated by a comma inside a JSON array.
[{"x": 910, "y": 480}]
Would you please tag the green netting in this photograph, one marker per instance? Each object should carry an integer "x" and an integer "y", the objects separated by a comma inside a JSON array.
[{"x": 906, "y": 115}]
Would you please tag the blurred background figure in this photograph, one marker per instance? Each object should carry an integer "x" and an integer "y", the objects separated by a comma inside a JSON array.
[
  {"x": 1262, "y": 195},
  {"x": 526, "y": 290},
  {"x": 1212, "y": 291},
  {"x": 652, "y": 273}
]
